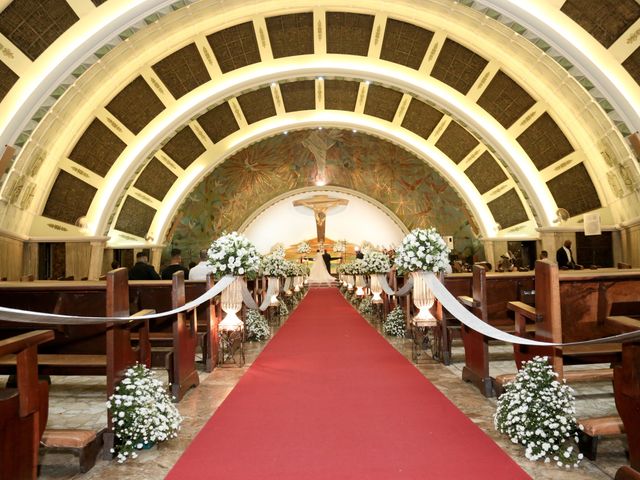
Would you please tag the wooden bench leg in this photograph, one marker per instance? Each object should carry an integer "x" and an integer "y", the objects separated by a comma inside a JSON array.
[
  {"x": 588, "y": 445},
  {"x": 89, "y": 454}
]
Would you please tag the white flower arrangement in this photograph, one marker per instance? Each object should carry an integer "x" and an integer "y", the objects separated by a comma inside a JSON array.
[
  {"x": 538, "y": 411},
  {"x": 357, "y": 267},
  {"x": 283, "y": 310},
  {"x": 274, "y": 265},
  {"x": 291, "y": 269},
  {"x": 233, "y": 254},
  {"x": 422, "y": 250},
  {"x": 376, "y": 262},
  {"x": 340, "y": 246},
  {"x": 256, "y": 326},
  {"x": 304, "y": 247},
  {"x": 142, "y": 413},
  {"x": 366, "y": 306},
  {"x": 394, "y": 324},
  {"x": 278, "y": 249}
]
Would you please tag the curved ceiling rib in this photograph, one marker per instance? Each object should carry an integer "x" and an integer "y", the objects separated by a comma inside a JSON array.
[{"x": 413, "y": 82}]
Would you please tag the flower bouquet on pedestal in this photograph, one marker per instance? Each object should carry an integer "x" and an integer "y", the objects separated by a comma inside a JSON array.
[
  {"x": 377, "y": 265},
  {"x": 422, "y": 251},
  {"x": 142, "y": 413}
]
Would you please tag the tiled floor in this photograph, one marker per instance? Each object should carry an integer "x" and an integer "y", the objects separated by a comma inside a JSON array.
[{"x": 79, "y": 402}]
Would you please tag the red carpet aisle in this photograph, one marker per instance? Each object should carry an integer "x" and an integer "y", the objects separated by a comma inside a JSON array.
[{"x": 329, "y": 398}]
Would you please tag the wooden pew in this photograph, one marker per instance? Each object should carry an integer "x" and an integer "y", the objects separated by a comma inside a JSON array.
[
  {"x": 490, "y": 296},
  {"x": 22, "y": 409},
  {"x": 570, "y": 308},
  {"x": 104, "y": 349}
]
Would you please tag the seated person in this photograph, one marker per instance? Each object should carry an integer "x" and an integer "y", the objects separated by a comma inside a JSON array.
[
  {"x": 544, "y": 255},
  {"x": 142, "y": 270},
  {"x": 174, "y": 266},
  {"x": 564, "y": 257},
  {"x": 200, "y": 271}
]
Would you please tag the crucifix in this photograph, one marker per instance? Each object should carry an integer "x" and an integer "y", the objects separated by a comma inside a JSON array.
[{"x": 320, "y": 204}]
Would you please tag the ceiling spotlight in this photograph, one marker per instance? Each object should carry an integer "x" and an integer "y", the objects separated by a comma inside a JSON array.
[
  {"x": 354, "y": 130},
  {"x": 321, "y": 182},
  {"x": 273, "y": 84},
  {"x": 319, "y": 128},
  {"x": 286, "y": 132},
  {"x": 320, "y": 78},
  {"x": 367, "y": 82}
]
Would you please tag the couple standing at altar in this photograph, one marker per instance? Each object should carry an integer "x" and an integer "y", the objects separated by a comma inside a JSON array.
[{"x": 320, "y": 268}]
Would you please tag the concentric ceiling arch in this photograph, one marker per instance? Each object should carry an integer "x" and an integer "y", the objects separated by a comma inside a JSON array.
[{"x": 502, "y": 121}]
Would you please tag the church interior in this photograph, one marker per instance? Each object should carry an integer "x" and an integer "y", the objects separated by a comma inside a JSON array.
[{"x": 141, "y": 132}]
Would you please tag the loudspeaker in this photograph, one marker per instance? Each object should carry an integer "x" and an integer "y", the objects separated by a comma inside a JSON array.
[
  {"x": 5, "y": 159},
  {"x": 634, "y": 140},
  {"x": 449, "y": 240},
  {"x": 592, "y": 224}
]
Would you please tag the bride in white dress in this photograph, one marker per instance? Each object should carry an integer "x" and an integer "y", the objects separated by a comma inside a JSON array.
[{"x": 318, "y": 273}]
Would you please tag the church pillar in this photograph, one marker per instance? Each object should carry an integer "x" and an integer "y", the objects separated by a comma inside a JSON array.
[
  {"x": 489, "y": 252},
  {"x": 156, "y": 257},
  {"x": 96, "y": 260},
  {"x": 11, "y": 257}
]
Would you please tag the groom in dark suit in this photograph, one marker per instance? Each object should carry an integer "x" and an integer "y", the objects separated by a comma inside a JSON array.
[
  {"x": 565, "y": 259},
  {"x": 327, "y": 260}
]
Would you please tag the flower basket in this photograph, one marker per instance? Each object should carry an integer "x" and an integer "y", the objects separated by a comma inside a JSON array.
[
  {"x": 233, "y": 254},
  {"x": 143, "y": 413}
]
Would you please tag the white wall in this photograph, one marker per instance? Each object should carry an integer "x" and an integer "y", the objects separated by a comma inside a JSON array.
[{"x": 356, "y": 222}]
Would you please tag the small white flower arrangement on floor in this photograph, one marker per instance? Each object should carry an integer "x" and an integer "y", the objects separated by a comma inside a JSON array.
[
  {"x": 394, "y": 324},
  {"x": 233, "y": 254},
  {"x": 376, "y": 262},
  {"x": 142, "y": 413},
  {"x": 422, "y": 249},
  {"x": 256, "y": 326},
  {"x": 304, "y": 247},
  {"x": 366, "y": 306},
  {"x": 538, "y": 412}
]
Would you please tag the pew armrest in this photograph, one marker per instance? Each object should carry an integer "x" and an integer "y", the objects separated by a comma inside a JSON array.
[
  {"x": 527, "y": 311},
  {"x": 466, "y": 301},
  {"x": 625, "y": 323},
  {"x": 24, "y": 341}
]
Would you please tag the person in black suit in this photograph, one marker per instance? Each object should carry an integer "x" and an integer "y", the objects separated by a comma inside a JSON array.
[
  {"x": 142, "y": 270},
  {"x": 564, "y": 257},
  {"x": 359, "y": 254},
  {"x": 327, "y": 260},
  {"x": 174, "y": 266}
]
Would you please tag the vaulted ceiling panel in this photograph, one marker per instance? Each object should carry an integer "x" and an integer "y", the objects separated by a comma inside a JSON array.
[
  {"x": 33, "y": 25},
  {"x": 136, "y": 105},
  {"x": 405, "y": 43},
  {"x": 382, "y": 102},
  {"x": 70, "y": 198},
  {"x": 507, "y": 209},
  {"x": 184, "y": 147},
  {"x": 632, "y": 65},
  {"x": 299, "y": 95},
  {"x": 348, "y": 33},
  {"x": 457, "y": 66},
  {"x": 219, "y": 122},
  {"x": 291, "y": 34},
  {"x": 135, "y": 217},
  {"x": 421, "y": 118},
  {"x": 605, "y": 20},
  {"x": 235, "y": 47},
  {"x": 340, "y": 94},
  {"x": 505, "y": 100},
  {"x": 573, "y": 190},
  {"x": 182, "y": 71},
  {"x": 98, "y": 148},
  {"x": 155, "y": 179},
  {"x": 7, "y": 79},
  {"x": 485, "y": 173},
  {"x": 456, "y": 142},
  {"x": 257, "y": 105},
  {"x": 544, "y": 142}
]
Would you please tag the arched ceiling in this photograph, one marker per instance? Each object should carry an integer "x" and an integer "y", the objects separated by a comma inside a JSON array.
[
  {"x": 412, "y": 193},
  {"x": 510, "y": 125}
]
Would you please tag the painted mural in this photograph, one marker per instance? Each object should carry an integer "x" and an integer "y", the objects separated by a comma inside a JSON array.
[{"x": 415, "y": 192}]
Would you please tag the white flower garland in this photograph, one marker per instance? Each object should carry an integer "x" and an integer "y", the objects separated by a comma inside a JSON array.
[
  {"x": 233, "y": 254},
  {"x": 539, "y": 412},
  {"x": 142, "y": 413},
  {"x": 394, "y": 324},
  {"x": 257, "y": 327},
  {"x": 422, "y": 250}
]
